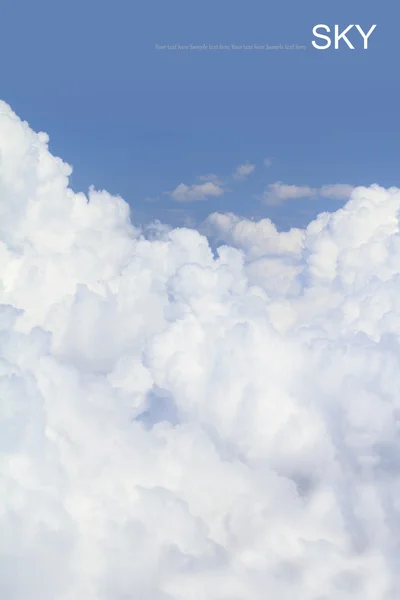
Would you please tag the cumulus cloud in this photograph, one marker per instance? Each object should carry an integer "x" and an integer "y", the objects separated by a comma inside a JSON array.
[
  {"x": 177, "y": 425},
  {"x": 278, "y": 192},
  {"x": 267, "y": 162},
  {"x": 243, "y": 171},
  {"x": 255, "y": 238},
  {"x": 199, "y": 191}
]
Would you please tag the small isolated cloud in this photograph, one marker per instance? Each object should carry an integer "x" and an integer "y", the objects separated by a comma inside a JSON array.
[
  {"x": 337, "y": 191},
  {"x": 267, "y": 162},
  {"x": 210, "y": 185},
  {"x": 278, "y": 192},
  {"x": 210, "y": 177},
  {"x": 243, "y": 171},
  {"x": 196, "y": 192}
]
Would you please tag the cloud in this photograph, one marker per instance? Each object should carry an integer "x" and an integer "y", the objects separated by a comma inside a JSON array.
[
  {"x": 267, "y": 162},
  {"x": 338, "y": 191},
  {"x": 278, "y": 193},
  {"x": 177, "y": 424},
  {"x": 193, "y": 193},
  {"x": 243, "y": 171},
  {"x": 211, "y": 185},
  {"x": 210, "y": 177},
  {"x": 255, "y": 238}
]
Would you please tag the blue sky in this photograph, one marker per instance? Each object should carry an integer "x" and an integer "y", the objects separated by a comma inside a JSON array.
[{"x": 139, "y": 122}]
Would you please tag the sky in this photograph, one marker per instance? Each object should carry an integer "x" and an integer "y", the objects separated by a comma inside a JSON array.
[
  {"x": 139, "y": 122},
  {"x": 199, "y": 320}
]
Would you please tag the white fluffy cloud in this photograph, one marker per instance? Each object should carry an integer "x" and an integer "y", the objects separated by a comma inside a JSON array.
[
  {"x": 278, "y": 192},
  {"x": 255, "y": 238},
  {"x": 210, "y": 186},
  {"x": 243, "y": 171},
  {"x": 198, "y": 191},
  {"x": 179, "y": 426}
]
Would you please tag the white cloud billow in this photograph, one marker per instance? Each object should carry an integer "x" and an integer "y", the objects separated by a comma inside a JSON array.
[
  {"x": 278, "y": 192},
  {"x": 179, "y": 426}
]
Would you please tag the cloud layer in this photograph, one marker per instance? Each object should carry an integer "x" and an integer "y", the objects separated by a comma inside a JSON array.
[
  {"x": 182, "y": 426},
  {"x": 278, "y": 192}
]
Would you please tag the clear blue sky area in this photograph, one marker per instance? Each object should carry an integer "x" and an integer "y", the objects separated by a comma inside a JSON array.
[{"x": 140, "y": 121}]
